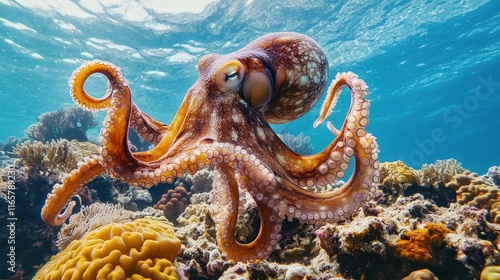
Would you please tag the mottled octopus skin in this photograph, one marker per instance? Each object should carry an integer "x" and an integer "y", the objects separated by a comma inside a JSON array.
[{"x": 224, "y": 121}]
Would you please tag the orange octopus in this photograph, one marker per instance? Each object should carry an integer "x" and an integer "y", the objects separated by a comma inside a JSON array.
[{"x": 224, "y": 121}]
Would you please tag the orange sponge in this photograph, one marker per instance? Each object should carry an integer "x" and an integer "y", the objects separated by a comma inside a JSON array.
[{"x": 421, "y": 244}]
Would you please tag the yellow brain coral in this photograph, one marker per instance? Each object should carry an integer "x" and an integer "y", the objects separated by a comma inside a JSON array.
[{"x": 142, "y": 249}]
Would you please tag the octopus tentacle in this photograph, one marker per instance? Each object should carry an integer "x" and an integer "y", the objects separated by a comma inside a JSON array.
[
  {"x": 147, "y": 168},
  {"x": 341, "y": 202},
  {"x": 146, "y": 127},
  {"x": 354, "y": 142},
  {"x": 62, "y": 194},
  {"x": 333, "y": 162},
  {"x": 80, "y": 96},
  {"x": 226, "y": 199}
]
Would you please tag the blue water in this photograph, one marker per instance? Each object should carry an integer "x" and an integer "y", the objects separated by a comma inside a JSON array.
[{"x": 433, "y": 67}]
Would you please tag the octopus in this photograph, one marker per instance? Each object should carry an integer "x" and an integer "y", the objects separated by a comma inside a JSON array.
[{"x": 224, "y": 121}]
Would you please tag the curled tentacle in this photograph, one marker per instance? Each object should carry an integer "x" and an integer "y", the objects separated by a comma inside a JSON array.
[
  {"x": 61, "y": 195},
  {"x": 333, "y": 162},
  {"x": 118, "y": 160},
  {"x": 351, "y": 142},
  {"x": 148, "y": 128}
]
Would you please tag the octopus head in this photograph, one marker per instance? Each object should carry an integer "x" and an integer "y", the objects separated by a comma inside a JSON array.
[{"x": 281, "y": 75}]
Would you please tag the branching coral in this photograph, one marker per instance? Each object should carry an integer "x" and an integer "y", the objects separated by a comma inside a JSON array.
[
  {"x": 440, "y": 171},
  {"x": 32, "y": 154},
  {"x": 89, "y": 218},
  {"x": 394, "y": 178},
  {"x": 421, "y": 245},
  {"x": 59, "y": 155},
  {"x": 70, "y": 123},
  {"x": 142, "y": 249},
  {"x": 48, "y": 158},
  {"x": 79, "y": 120}
]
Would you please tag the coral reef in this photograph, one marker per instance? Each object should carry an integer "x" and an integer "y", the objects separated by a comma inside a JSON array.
[
  {"x": 47, "y": 159},
  {"x": 71, "y": 123},
  {"x": 416, "y": 232},
  {"x": 295, "y": 272},
  {"x": 439, "y": 193},
  {"x": 433, "y": 181},
  {"x": 367, "y": 246},
  {"x": 34, "y": 238},
  {"x": 135, "y": 198},
  {"x": 200, "y": 257},
  {"x": 104, "y": 189},
  {"x": 142, "y": 249},
  {"x": 10, "y": 179},
  {"x": 89, "y": 218},
  {"x": 173, "y": 202},
  {"x": 8, "y": 148},
  {"x": 197, "y": 234}
]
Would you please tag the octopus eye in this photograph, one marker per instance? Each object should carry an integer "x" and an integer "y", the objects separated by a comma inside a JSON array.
[
  {"x": 230, "y": 76},
  {"x": 257, "y": 89}
]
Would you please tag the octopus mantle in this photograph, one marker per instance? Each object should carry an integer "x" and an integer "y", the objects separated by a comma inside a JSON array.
[{"x": 224, "y": 121}]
